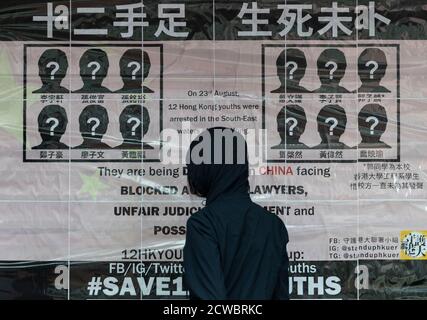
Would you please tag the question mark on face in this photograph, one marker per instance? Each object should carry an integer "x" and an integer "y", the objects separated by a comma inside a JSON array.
[
  {"x": 292, "y": 126},
  {"x": 137, "y": 67},
  {"x": 95, "y": 126},
  {"x": 136, "y": 125},
  {"x": 95, "y": 70},
  {"x": 55, "y": 69},
  {"x": 333, "y": 69},
  {"x": 294, "y": 68},
  {"x": 53, "y": 127},
  {"x": 375, "y": 68},
  {"x": 375, "y": 123},
  {"x": 333, "y": 125}
]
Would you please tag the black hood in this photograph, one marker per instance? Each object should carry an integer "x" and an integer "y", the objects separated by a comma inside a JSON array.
[{"x": 218, "y": 175}]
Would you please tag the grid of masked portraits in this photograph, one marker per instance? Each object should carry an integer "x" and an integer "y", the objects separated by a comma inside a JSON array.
[
  {"x": 331, "y": 103},
  {"x": 86, "y": 103}
]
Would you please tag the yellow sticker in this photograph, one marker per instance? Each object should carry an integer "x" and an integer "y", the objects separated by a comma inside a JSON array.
[{"x": 413, "y": 245}]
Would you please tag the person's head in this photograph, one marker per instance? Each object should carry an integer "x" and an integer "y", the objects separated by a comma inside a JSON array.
[
  {"x": 147, "y": 64},
  {"x": 134, "y": 66},
  {"x": 372, "y": 122},
  {"x": 131, "y": 127},
  {"x": 94, "y": 66},
  {"x": 53, "y": 65},
  {"x": 217, "y": 163},
  {"x": 52, "y": 121},
  {"x": 331, "y": 66},
  {"x": 372, "y": 65},
  {"x": 291, "y": 65},
  {"x": 331, "y": 122},
  {"x": 291, "y": 121},
  {"x": 93, "y": 122}
]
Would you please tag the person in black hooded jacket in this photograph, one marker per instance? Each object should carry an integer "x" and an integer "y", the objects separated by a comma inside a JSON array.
[{"x": 234, "y": 248}]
